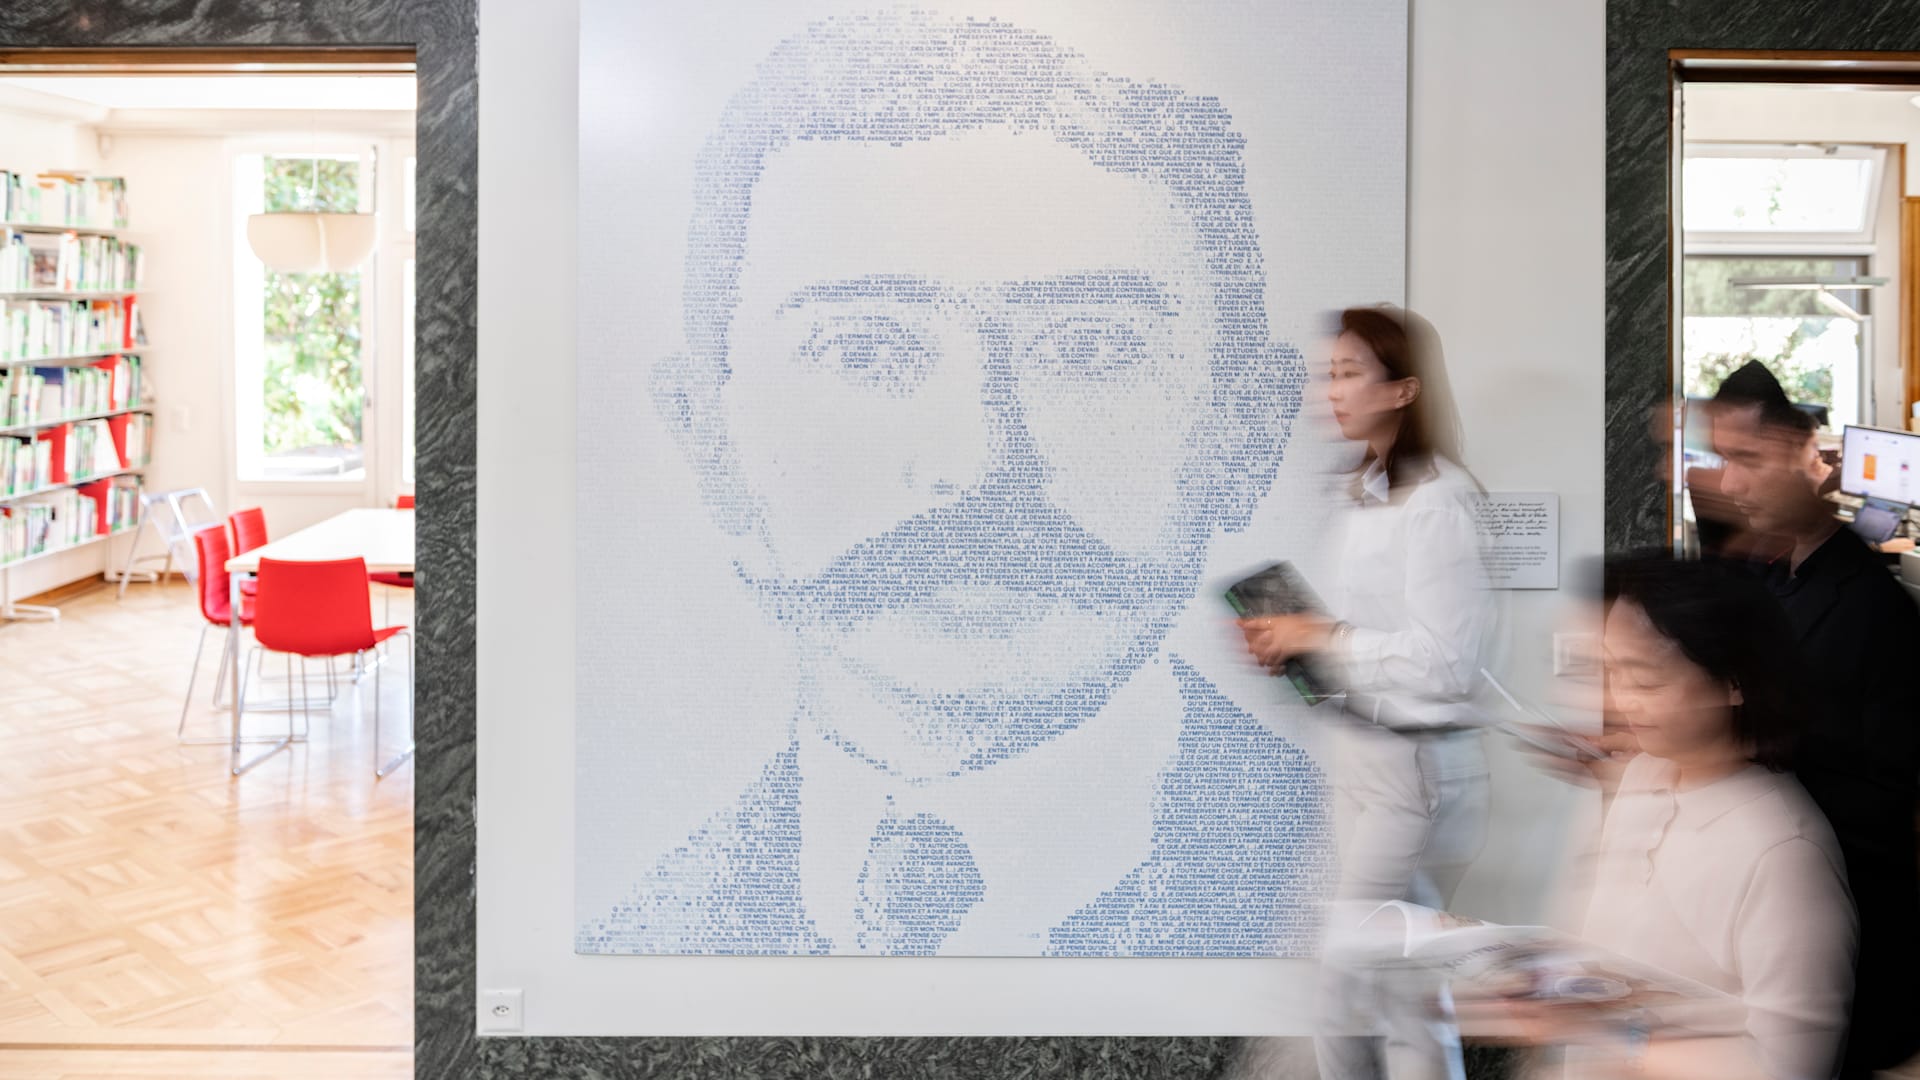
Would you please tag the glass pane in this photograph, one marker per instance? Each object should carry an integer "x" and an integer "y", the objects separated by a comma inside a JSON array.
[
  {"x": 1709, "y": 289},
  {"x": 406, "y": 373},
  {"x": 313, "y": 385},
  {"x": 1814, "y": 351},
  {"x": 1758, "y": 194}
]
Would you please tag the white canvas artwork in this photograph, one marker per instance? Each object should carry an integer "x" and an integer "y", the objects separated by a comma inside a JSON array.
[{"x": 935, "y": 364}]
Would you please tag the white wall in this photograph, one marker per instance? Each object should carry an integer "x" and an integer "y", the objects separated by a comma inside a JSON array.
[
  {"x": 1506, "y": 258},
  {"x": 1730, "y": 112},
  {"x": 179, "y": 181}
]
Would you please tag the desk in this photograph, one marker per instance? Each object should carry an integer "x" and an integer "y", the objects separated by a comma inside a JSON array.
[{"x": 384, "y": 538}]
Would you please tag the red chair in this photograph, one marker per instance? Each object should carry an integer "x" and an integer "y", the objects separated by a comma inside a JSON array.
[
  {"x": 321, "y": 609},
  {"x": 249, "y": 531},
  {"x": 216, "y": 609},
  {"x": 403, "y": 502}
]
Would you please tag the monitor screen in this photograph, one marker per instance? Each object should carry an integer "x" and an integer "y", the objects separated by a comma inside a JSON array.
[{"x": 1880, "y": 464}]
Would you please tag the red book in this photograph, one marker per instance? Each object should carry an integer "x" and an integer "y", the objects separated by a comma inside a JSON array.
[
  {"x": 117, "y": 397},
  {"x": 98, "y": 491},
  {"x": 61, "y": 436},
  {"x": 117, "y": 427}
]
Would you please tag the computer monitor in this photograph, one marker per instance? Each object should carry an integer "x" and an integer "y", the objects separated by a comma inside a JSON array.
[{"x": 1880, "y": 464}]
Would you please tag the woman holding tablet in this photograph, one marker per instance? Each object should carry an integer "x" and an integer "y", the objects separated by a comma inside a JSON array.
[
  {"x": 1713, "y": 864},
  {"x": 1411, "y": 620}
]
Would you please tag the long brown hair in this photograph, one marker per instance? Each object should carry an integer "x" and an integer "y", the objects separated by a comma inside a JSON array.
[{"x": 1408, "y": 347}]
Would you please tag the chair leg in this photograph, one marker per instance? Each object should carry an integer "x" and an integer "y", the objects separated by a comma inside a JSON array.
[
  {"x": 220, "y": 678},
  {"x": 193, "y": 673},
  {"x": 255, "y": 662},
  {"x": 306, "y": 721}
]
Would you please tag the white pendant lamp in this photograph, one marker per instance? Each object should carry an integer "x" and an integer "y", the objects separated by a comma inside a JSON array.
[
  {"x": 305, "y": 242},
  {"x": 311, "y": 241}
]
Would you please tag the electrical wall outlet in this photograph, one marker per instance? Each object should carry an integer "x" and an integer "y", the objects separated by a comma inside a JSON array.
[
  {"x": 1576, "y": 654},
  {"x": 501, "y": 1011}
]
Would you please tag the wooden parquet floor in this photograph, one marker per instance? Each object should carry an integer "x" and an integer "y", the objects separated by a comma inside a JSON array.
[{"x": 161, "y": 918}]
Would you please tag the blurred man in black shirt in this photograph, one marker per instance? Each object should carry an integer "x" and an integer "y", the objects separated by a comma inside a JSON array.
[{"x": 1860, "y": 753}]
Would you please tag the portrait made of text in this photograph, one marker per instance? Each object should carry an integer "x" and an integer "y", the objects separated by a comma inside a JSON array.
[{"x": 927, "y": 359}]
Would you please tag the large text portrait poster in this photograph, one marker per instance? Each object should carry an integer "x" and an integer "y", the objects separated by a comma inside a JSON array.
[{"x": 935, "y": 362}]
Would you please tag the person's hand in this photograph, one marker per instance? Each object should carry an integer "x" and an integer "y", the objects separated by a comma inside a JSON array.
[
  {"x": 1620, "y": 746},
  {"x": 1275, "y": 639},
  {"x": 1527, "y": 1021}
]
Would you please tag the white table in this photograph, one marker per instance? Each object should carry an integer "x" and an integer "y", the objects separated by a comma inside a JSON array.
[{"x": 384, "y": 538}]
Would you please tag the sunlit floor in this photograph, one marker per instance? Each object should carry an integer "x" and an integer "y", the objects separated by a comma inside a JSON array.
[{"x": 160, "y": 918}]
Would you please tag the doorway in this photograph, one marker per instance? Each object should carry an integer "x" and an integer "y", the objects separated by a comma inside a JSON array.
[
  {"x": 1793, "y": 237},
  {"x": 169, "y": 913}
]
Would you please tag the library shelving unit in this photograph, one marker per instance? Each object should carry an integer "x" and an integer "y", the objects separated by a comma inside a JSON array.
[{"x": 75, "y": 421}]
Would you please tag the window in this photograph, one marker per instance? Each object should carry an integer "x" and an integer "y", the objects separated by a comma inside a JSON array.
[
  {"x": 1775, "y": 235},
  {"x": 1814, "y": 351},
  {"x": 1740, "y": 193},
  {"x": 301, "y": 356}
]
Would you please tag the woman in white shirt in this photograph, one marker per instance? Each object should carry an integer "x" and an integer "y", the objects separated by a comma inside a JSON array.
[{"x": 1414, "y": 620}]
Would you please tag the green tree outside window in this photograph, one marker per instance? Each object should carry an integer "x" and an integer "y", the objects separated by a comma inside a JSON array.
[{"x": 314, "y": 390}]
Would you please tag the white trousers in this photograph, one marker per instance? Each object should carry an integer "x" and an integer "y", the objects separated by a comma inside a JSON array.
[{"x": 1410, "y": 812}]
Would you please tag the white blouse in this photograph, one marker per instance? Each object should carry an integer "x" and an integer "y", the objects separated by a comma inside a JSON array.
[
  {"x": 1410, "y": 581},
  {"x": 1739, "y": 885}
]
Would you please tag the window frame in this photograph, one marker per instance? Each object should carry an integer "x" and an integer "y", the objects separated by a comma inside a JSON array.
[
  {"x": 374, "y": 285},
  {"x": 1790, "y": 243},
  {"x": 1862, "y": 302}
]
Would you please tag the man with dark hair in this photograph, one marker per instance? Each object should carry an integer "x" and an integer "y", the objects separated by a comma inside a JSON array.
[{"x": 1859, "y": 633}]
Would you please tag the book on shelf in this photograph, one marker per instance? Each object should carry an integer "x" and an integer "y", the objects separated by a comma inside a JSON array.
[
  {"x": 26, "y": 530},
  {"x": 74, "y": 452},
  {"x": 116, "y": 503},
  {"x": 30, "y": 395},
  {"x": 131, "y": 438},
  {"x": 30, "y": 329},
  {"x": 66, "y": 518},
  {"x": 97, "y": 263},
  {"x": 21, "y": 391},
  {"x": 64, "y": 198},
  {"x": 42, "y": 263},
  {"x": 26, "y": 464},
  {"x": 68, "y": 262}
]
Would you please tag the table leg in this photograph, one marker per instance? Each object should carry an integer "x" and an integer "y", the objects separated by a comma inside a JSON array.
[{"x": 233, "y": 663}]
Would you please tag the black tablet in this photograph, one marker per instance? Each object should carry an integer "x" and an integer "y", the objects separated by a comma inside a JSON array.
[{"x": 1282, "y": 590}]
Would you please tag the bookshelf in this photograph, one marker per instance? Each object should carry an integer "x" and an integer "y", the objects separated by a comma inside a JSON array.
[
  {"x": 70, "y": 358},
  {"x": 75, "y": 421},
  {"x": 66, "y": 294},
  {"x": 144, "y": 407},
  {"x": 41, "y": 227}
]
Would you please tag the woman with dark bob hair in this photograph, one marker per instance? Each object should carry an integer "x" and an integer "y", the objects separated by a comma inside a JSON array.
[{"x": 1713, "y": 863}]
